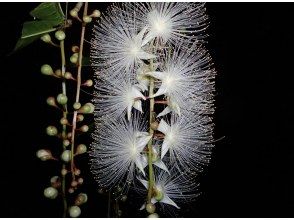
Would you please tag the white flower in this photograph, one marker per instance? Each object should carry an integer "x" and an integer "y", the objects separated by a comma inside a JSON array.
[
  {"x": 170, "y": 21},
  {"x": 172, "y": 188},
  {"x": 186, "y": 79},
  {"x": 188, "y": 139},
  {"x": 114, "y": 97},
  {"x": 117, "y": 150},
  {"x": 117, "y": 44}
]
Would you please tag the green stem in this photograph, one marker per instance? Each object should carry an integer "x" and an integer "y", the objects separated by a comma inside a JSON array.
[
  {"x": 79, "y": 80},
  {"x": 150, "y": 150},
  {"x": 64, "y": 136}
]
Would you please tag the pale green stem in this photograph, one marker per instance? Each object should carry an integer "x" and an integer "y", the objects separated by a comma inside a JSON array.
[
  {"x": 79, "y": 80},
  {"x": 63, "y": 126}
]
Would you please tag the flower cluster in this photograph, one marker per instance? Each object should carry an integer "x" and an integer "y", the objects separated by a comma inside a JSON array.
[{"x": 150, "y": 59}]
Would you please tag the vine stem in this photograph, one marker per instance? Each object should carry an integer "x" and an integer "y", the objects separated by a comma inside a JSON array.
[
  {"x": 64, "y": 136},
  {"x": 79, "y": 80}
]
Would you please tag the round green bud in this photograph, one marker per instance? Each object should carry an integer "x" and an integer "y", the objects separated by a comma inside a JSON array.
[
  {"x": 74, "y": 58},
  {"x": 46, "y": 70},
  {"x": 63, "y": 172},
  {"x": 51, "y": 101},
  {"x": 150, "y": 208},
  {"x": 73, "y": 13},
  {"x": 81, "y": 199},
  {"x": 77, "y": 105},
  {"x": 55, "y": 181},
  {"x": 81, "y": 148},
  {"x": 58, "y": 72},
  {"x": 51, "y": 130},
  {"x": 46, "y": 38},
  {"x": 60, "y": 35},
  {"x": 80, "y": 117},
  {"x": 154, "y": 215},
  {"x": 96, "y": 13},
  {"x": 71, "y": 190},
  {"x": 50, "y": 193},
  {"x": 74, "y": 211},
  {"x": 74, "y": 183},
  {"x": 65, "y": 156},
  {"x": 75, "y": 49},
  {"x": 88, "y": 108},
  {"x": 87, "y": 19},
  {"x": 66, "y": 142},
  {"x": 44, "y": 155},
  {"x": 80, "y": 180},
  {"x": 63, "y": 121},
  {"x": 77, "y": 172},
  {"x": 68, "y": 75},
  {"x": 84, "y": 128},
  {"x": 62, "y": 99},
  {"x": 88, "y": 83}
]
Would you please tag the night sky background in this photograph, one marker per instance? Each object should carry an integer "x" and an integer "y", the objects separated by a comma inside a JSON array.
[{"x": 250, "y": 175}]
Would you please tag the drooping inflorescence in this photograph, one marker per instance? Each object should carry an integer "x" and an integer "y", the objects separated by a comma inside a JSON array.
[{"x": 150, "y": 59}]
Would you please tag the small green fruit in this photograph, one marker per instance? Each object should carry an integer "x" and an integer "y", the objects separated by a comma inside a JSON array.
[
  {"x": 51, "y": 130},
  {"x": 88, "y": 108},
  {"x": 81, "y": 199},
  {"x": 68, "y": 75},
  {"x": 73, "y": 13},
  {"x": 44, "y": 154},
  {"x": 46, "y": 38},
  {"x": 77, "y": 105},
  {"x": 63, "y": 121},
  {"x": 60, "y": 35},
  {"x": 62, "y": 99},
  {"x": 150, "y": 208},
  {"x": 84, "y": 128},
  {"x": 66, "y": 142},
  {"x": 74, "y": 211},
  {"x": 74, "y": 58},
  {"x": 51, "y": 101},
  {"x": 88, "y": 83},
  {"x": 87, "y": 19},
  {"x": 65, "y": 156},
  {"x": 80, "y": 117},
  {"x": 46, "y": 70},
  {"x": 50, "y": 192}
]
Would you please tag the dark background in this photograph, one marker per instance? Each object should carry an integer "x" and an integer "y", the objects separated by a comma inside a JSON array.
[{"x": 250, "y": 175}]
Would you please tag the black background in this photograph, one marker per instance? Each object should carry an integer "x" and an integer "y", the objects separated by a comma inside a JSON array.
[{"x": 250, "y": 175}]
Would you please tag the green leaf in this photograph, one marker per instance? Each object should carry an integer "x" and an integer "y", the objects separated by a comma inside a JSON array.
[
  {"x": 49, "y": 11},
  {"x": 32, "y": 30}
]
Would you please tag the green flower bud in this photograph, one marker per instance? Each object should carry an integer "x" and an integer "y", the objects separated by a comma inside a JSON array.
[
  {"x": 81, "y": 148},
  {"x": 154, "y": 215},
  {"x": 96, "y": 14},
  {"x": 58, "y": 73},
  {"x": 80, "y": 117},
  {"x": 68, "y": 75},
  {"x": 46, "y": 38},
  {"x": 73, "y": 13},
  {"x": 50, "y": 193},
  {"x": 62, "y": 99},
  {"x": 60, "y": 35},
  {"x": 84, "y": 128},
  {"x": 74, "y": 58},
  {"x": 51, "y": 101},
  {"x": 81, "y": 199},
  {"x": 77, "y": 105},
  {"x": 88, "y": 108},
  {"x": 150, "y": 208},
  {"x": 44, "y": 155},
  {"x": 66, "y": 142},
  {"x": 87, "y": 19},
  {"x": 158, "y": 195},
  {"x": 88, "y": 83},
  {"x": 51, "y": 130},
  {"x": 46, "y": 70},
  {"x": 63, "y": 121},
  {"x": 74, "y": 211},
  {"x": 66, "y": 155}
]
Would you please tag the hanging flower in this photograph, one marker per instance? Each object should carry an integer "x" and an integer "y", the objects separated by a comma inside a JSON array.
[
  {"x": 117, "y": 96},
  {"x": 117, "y": 150},
  {"x": 185, "y": 79},
  {"x": 170, "y": 189},
  {"x": 188, "y": 140},
  {"x": 117, "y": 44}
]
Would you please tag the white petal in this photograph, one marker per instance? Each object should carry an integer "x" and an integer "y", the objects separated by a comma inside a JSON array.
[
  {"x": 144, "y": 161},
  {"x": 139, "y": 165},
  {"x": 164, "y": 112},
  {"x": 175, "y": 107},
  {"x": 138, "y": 105},
  {"x": 162, "y": 90},
  {"x": 144, "y": 182},
  {"x": 161, "y": 165},
  {"x": 147, "y": 38},
  {"x": 129, "y": 110},
  {"x": 143, "y": 206},
  {"x": 156, "y": 74},
  {"x": 163, "y": 127},
  {"x": 142, "y": 142},
  {"x": 167, "y": 200},
  {"x": 145, "y": 56},
  {"x": 141, "y": 34},
  {"x": 136, "y": 93},
  {"x": 164, "y": 148}
]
